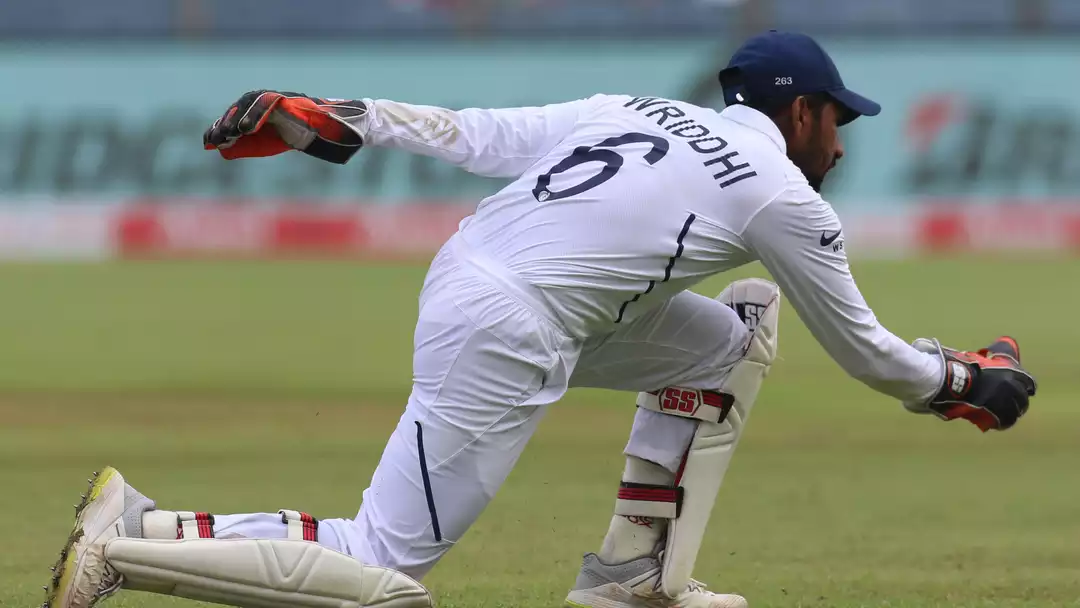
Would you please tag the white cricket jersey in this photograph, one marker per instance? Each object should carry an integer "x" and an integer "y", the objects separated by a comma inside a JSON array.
[{"x": 618, "y": 203}]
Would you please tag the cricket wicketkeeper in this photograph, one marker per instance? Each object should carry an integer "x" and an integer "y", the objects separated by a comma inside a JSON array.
[{"x": 578, "y": 273}]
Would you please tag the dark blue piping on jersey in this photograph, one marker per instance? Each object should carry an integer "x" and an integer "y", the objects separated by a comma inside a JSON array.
[{"x": 667, "y": 271}]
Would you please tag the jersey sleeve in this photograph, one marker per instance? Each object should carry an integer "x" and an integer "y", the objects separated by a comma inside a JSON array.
[
  {"x": 798, "y": 239},
  {"x": 491, "y": 143}
]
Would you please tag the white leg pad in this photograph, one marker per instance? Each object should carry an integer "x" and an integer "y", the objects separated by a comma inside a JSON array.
[
  {"x": 720, "y": 424},
  {"x": 260, "y": 573}
]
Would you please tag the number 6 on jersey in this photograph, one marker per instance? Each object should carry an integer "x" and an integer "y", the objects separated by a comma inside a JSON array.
[{"x": 612, "y": 162}]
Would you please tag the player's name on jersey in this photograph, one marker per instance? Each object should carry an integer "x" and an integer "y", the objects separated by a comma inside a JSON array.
[{"x": 699, "y": 138}]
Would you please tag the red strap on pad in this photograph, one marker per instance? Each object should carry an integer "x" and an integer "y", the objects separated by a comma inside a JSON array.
[{"x": 194, "y": 525}]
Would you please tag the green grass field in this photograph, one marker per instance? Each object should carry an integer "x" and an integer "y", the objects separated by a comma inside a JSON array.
[{"x": 235, "y": 387}]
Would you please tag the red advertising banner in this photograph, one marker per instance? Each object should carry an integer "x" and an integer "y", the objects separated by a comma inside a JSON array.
[
  {"x": 230, "y": 229},
  {"x": 946, "y": 227},
  {"x": 400, "y": 231}
]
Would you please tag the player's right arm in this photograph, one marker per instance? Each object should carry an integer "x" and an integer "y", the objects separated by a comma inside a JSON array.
[
  {"x": 492, "y": 143},
  {"x": 798, "y": 239}
]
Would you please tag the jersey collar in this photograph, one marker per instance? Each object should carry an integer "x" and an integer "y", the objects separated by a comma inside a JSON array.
[{"x": 757, "y": 121}]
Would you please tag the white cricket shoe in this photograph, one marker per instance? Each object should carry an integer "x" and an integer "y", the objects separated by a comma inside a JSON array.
[
  {"x": 636, "y": 584},
  {"x": 109, "y": 509}
]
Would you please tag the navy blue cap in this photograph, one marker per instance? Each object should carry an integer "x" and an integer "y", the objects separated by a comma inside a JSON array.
[{"x": 777, "y": 67}]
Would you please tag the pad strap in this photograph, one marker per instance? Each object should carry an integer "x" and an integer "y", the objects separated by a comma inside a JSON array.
[
  {"x": 710, "y": 406},
  {"x": 194, "y": 525},
  {"x": 648, "y": 500},
  {"x": 301, "y": 526}
]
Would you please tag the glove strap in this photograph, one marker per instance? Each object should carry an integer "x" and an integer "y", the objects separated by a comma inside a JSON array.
[
  {"x": 333, "y": 138},
  {"x": 332, "y": 152}
]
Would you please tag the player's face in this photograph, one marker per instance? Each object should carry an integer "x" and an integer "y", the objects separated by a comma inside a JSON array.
[{"x": 815, "y": 144}]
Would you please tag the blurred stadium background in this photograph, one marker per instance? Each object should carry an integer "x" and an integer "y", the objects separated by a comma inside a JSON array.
[{"x": 236, "y": 335}]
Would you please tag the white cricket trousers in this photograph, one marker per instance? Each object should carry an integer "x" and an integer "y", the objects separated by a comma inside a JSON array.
[{"x": 486, "y": 365}]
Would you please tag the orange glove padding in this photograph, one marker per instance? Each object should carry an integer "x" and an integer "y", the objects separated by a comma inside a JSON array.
[
  {"x": 988, "y": 388},
  {"x": 312, "y": 125},
  {"x": 264, "y": 142}
]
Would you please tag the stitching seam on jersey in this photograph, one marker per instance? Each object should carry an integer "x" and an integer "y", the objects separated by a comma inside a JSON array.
[{"x": 758, "y": 211}]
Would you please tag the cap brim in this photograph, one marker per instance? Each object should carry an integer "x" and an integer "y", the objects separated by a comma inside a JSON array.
[{"x": 856, "y": 104}]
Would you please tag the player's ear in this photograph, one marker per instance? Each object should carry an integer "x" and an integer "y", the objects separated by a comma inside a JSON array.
[{"x": 801, "y": 115}]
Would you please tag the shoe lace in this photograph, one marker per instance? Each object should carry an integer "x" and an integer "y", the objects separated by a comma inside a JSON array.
[{"x": 110, "y": 589}]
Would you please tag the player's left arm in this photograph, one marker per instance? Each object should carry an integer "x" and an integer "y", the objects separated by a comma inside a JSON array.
[
  {"x": 799, "y": 239},
  {"x": 492, "y": 143}
]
